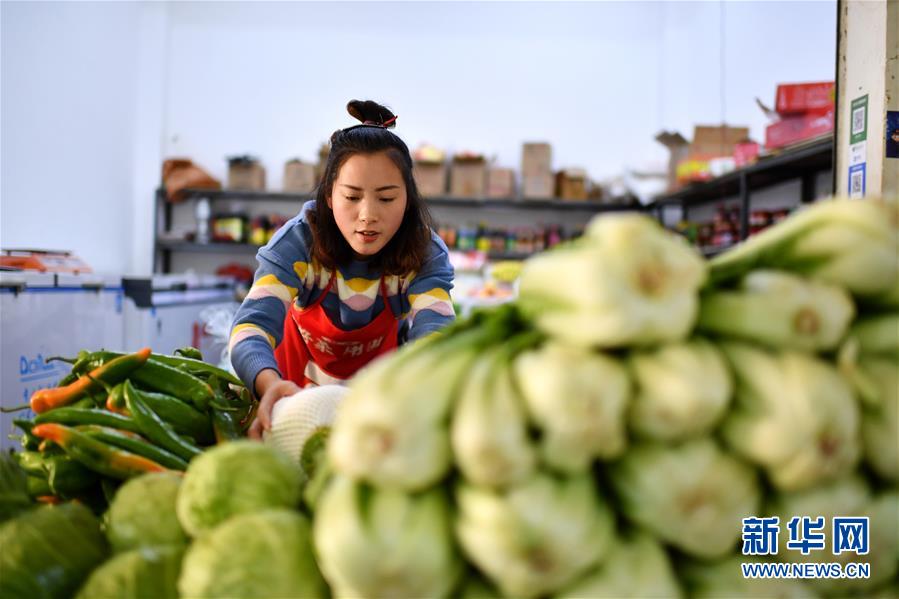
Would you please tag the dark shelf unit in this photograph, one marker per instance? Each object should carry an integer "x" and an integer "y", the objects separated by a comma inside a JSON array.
[
  {"x": 802, "y": 162},
  {"x": 163, "y": 247}
]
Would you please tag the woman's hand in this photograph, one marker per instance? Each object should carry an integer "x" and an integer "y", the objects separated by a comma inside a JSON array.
[{"x": 270, "y": 387}]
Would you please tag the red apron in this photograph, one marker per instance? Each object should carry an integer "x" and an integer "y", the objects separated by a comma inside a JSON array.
[{"x": 314, "y": 351}]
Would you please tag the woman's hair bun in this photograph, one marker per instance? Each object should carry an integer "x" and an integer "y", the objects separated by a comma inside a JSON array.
[{"x": 371, "y": 113}]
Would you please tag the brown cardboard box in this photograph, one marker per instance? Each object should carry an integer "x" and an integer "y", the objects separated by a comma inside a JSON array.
[
  {"x": 468, "y": 178},
  {"x": 536, "y": 159},
  {"x": 571, "y": 184},
  {"x": 430, "y": 178},
  {"x": 716, "y": 141},
  {"x": 245, "y": 172},
  {"x": 537, "y": 187},
  {"x": 299, "y": 177},
  {"x": 500, "y": 183}
]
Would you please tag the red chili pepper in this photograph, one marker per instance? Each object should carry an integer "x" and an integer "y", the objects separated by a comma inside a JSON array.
[{"x": 110, "y": 373}]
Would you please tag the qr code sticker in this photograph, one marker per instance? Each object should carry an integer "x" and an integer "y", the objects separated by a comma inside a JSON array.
[
  {"x": 856, "y": 183},
  {"x": 858, "y": 120}
]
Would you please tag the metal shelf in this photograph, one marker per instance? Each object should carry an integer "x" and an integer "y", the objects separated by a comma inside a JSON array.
[
  {"x": 251, "y": 196},
  {"x": 535, "y": 204},
  {"x": 214, "y": 247},
  {"x": 802, "y": 162},
  {"x": 449, "y": 201},
  {"x": 813, "y": 157}
]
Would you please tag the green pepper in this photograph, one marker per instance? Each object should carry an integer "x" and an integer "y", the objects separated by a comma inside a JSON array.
[
  {"x": 184, "y": 419},
  {"x": 135, "y": 444},
  {"x": 224, "y": 426},
  {"x": 154, "y": 427},
  {"x": 97, "y": 455},
  {"x": 194, "y": 367},
  {"x": 32, "y": 462},
  {"x": 189, "y": 352},
  {"x": 67, "y": 476},
  {"x": 166, "y": 379},
  {"x": 87, "y": 416}
]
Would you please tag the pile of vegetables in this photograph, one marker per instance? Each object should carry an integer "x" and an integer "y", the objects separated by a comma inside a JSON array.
[
  {"x": 116, "y": 416},
  {"x": 227, "y": 527},
  {"x": 605, "y": 435},
  {"x": 602, "y": 436}
]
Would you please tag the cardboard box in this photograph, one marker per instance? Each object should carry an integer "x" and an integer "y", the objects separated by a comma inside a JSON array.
[
  {"x": 794, "y": 129},
  {"x": 468, "y": 178},
  {"x": 500, "y": 183},
  {"x": 537, "y": 187},
  {"x": 299, "y": 177},
  {"x": 430, "y": 178},
  {"x": 245, "y": 172},
  {"x": 571, "y": 184},
  {"x": 801, "y": 98},
  {"x": 712, "y": 142},
  {"x": 536, "y": 159}
]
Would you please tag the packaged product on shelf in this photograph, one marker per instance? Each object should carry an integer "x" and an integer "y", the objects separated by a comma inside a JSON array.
[
  {"x": 468, "y": 175},
  {"x": 299, "y": 176},
  {"x": 537, "y": 187},
  {"x": 500, "y": 182},
  {"x": 536, "y": 159},
  {"x": 429, "y": 170},
  {"x": 571, "y": 184},
  {"x": 246, "y": 173},
  {"x": 229, "y": 227},
  {"x": 259, "y": 230}
]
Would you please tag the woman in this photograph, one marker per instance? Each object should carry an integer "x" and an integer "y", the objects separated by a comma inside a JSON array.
[{"x": 354, "y": 274}]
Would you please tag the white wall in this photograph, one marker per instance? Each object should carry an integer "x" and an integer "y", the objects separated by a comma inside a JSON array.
[
  {"x": 95, "y": 95},
  {"x": 68, "y": 121}
]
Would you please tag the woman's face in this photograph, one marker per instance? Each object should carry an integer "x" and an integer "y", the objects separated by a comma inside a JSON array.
[{"x": 368, "y": 200}]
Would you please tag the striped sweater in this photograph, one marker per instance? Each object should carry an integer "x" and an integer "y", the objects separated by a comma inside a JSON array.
[{"x": 286, "y": 275}]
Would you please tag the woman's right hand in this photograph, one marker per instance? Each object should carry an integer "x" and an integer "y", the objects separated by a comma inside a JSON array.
[{"x": 270, "y": 387}]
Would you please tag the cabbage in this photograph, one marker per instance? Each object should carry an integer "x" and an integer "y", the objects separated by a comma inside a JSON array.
[
  {"x": 143, "y": 513},
  {"x": 779, "y": 309},
  {"x": 877, "y": 334},
  {"x": 578, "y": 399},
  {"x": 636, "y": 567},
  {"x": 234, "y": 478},
  {"x": 390, "y": 429},
  {"x": 253, "y": 556},
  {"x": 475, "y": 587},
  {"x": 880, "y": 422},
  {"x": 683, "y": 390},
  {"x": 489, "y": 433},
  {"x": 794, "y": 415},
  {"x": 693, "y": 496},
  {"x": 724, "y": 579},
  {"x": 48, "y": 551},
  {"x": 851, "y": 243},
  {"x": 535, "y": 537},
  {"x": 376, "y": 542},
  {"x": 145, "y": 573},
  {"x": 628, "y": 281},
  {"x": 847, "y": 497}
]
